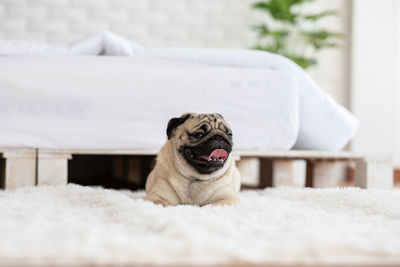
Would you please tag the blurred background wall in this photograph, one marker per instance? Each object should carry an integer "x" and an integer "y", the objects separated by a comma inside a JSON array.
[
  {"x": 375, "y": 87},
  {"x": 370, "y": 26}
]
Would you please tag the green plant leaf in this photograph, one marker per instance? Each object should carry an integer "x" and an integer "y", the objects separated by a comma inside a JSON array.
[
  {"x": 317, "y": 16},
  {"x": 290, "y": 34},
  {"x": 303, "y": 62},
  {"x": 321, "y": 38},
  {"x": 280, "y": 10},
  {"x": 262, "y": 30}
]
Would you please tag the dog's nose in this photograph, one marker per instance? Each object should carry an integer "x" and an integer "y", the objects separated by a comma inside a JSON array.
[{"x": 217, "y": 138}]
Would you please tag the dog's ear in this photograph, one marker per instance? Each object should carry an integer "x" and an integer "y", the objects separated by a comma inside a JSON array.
[
  {"x": 219, "y": 115},
  {"x": 175, "y": 122}
]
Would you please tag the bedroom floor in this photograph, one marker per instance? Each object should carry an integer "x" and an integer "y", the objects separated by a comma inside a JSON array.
[{"x": 93, "y": 226}]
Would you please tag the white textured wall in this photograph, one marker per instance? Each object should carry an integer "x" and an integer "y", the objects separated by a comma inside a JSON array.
[
  {"x": 221, "y": 23},
  {"x": 198, "y": 23},
  {"x": 376, "y": 72}
]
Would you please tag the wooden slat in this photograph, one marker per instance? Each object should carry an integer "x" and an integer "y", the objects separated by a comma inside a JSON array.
[
  {"x": 309, "y": 154},
  {"x": 291, "y": 154},
  {"x": 17, "y": 152},
  {"x": 136, "y": 152}
]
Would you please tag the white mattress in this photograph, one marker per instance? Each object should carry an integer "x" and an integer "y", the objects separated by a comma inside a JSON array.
[
  {"x": 268, "y": 99},
  {"x": 89, "y": 102}
]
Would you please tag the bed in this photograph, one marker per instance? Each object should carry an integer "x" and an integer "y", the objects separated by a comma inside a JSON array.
[{"x": 61, "y": 100}]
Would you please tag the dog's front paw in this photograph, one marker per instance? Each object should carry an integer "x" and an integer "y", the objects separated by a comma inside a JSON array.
[
  {"x": 226, "y": 202},
  {"x": 158, "y": 201}
]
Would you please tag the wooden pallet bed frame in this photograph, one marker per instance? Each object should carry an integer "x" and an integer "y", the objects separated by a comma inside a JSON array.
[{"x": 28, "y": 167}]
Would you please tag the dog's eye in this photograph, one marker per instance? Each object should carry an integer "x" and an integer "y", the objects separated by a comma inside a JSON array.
[
  {"x": 198, "y": 135},
  {"x": 229, "y": 135}
]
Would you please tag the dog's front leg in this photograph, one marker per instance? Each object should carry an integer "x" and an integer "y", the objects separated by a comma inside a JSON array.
[{"x": 157, "y": 200}]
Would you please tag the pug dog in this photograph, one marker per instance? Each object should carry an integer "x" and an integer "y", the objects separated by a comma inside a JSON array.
[{"x": 195, "y": 165}]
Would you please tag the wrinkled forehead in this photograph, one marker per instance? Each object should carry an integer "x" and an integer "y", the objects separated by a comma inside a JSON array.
[{"x": 207, "y": 122}]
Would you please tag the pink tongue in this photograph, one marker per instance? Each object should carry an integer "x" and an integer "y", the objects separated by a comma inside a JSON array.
[{"x": 218, "y": 154}]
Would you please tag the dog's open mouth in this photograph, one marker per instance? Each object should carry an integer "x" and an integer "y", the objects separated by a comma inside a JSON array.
[{"x": 217, "y": 156}]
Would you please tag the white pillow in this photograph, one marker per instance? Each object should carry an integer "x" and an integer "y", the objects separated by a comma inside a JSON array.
[{"x": 105, "y": 43}]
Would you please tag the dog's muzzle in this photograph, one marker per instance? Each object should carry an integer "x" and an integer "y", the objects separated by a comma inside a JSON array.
[{"x": 210, "y": 155}]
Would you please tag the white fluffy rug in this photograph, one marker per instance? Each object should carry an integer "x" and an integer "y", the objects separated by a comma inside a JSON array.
[{"x": 85, "y": 225}]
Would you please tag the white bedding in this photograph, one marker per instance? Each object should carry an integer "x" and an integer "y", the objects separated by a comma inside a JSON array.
[
  {"x": 323, "y": 123},
  {"x": 87, "y": 102},
  {"x": 284, "y": 107}
]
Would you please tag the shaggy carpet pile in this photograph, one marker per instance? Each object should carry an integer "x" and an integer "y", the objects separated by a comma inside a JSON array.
[{"x": 90, "y": 225}]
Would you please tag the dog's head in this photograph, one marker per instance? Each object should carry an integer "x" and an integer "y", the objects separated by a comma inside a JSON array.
[{"x": 202, "y": 143}]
